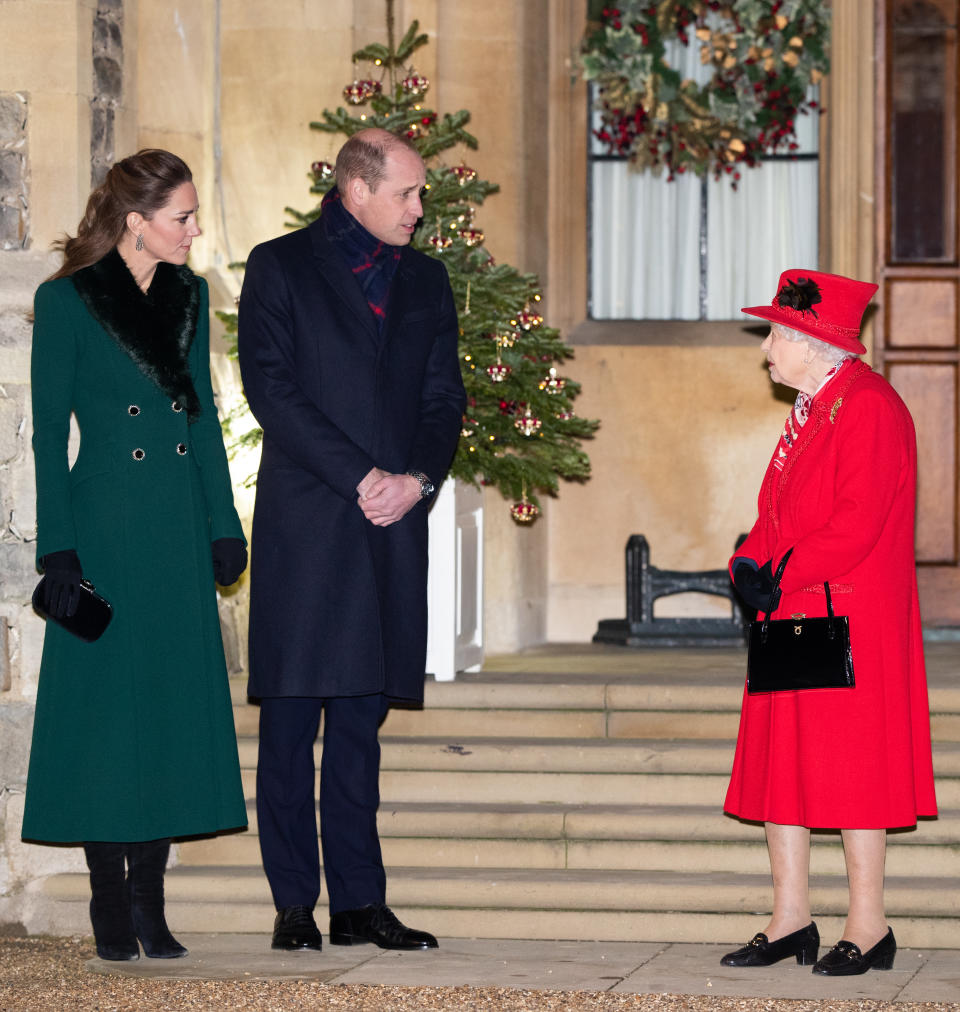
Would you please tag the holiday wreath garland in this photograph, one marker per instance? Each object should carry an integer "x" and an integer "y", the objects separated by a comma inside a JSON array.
[{"x": 764, "y": 55}]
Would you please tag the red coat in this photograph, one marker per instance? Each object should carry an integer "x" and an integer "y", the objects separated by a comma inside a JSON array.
[{"x": 843, "y": 758}]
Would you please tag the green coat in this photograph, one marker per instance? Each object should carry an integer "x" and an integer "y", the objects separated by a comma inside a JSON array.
[{"x": 133, "y": 736}]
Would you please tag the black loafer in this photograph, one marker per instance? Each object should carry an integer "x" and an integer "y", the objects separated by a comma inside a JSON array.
[
  {"x": 845, "y": 959},
  {"x": 295, "y": 928},
  {"x": 376, "y": 923},
  {"x": 759, "y": 951}
]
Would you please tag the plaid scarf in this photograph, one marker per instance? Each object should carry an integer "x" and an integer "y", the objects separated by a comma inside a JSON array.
[{"x": 372, "y": 261}]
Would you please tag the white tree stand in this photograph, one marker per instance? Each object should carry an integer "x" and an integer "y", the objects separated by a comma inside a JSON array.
[{"x": 455, "y": 581}]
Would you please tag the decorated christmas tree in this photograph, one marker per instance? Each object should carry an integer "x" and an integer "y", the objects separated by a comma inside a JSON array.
[{"x": 520, "y": 432}]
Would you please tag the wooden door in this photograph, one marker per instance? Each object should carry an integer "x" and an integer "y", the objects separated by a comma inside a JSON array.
[{"x": 917, "y": 345}]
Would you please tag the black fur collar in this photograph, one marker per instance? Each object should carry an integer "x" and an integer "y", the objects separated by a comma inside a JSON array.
[{"x": 155, "y": 328}]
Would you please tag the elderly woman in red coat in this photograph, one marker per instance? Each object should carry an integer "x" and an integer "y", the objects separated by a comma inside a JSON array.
[{"x": 840, "y": 491}]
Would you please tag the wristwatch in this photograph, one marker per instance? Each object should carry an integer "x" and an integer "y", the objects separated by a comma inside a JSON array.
[{"x": 427, "y": 487}]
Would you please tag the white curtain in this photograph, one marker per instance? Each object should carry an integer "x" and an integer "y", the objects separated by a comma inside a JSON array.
[
  {"x": 645, "y": 254},
  {"x": 758, "y": 231}
]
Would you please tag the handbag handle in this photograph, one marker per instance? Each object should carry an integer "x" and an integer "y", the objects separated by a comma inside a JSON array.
[{"x": 776, "y": 586}]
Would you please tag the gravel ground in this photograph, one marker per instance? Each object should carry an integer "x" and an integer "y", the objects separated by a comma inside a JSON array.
[{"x": 41, "y": 974}]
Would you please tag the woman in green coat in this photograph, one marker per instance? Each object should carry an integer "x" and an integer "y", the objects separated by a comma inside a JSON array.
[{"x": 133, "y": 739}]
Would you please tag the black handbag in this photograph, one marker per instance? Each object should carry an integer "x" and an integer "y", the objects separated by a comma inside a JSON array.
[
  {"x": 91, "y": 618},
  {"x": 799, "y": 653}
]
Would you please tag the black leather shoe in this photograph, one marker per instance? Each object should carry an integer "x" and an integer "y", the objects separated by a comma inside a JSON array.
[
  {"x": 376, "y": 923},
  {"x": 759, "y": 951},
  {"x": 845, "y": 959},
  {"x": 295, "y": 928}
]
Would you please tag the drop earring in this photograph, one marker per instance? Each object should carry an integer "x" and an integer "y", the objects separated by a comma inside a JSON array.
[{"x": 139, "y": 245}]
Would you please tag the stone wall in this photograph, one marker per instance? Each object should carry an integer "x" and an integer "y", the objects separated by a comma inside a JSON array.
[
  {"x": 21, "y": 631},
  {"x": 107, "y": 87},
  {"x": 14, "y": 203}
]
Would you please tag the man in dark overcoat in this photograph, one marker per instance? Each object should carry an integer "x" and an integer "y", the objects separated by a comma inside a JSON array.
[{"x": 348, "y": 352}]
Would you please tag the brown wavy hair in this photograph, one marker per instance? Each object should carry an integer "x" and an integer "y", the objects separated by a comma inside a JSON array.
[{"x": 142, "y": 182}]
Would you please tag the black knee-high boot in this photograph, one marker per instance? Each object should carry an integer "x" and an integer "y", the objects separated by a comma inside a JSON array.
[
  {"x": 110, "y": 903},
  {"x": 148, "y": 861}
]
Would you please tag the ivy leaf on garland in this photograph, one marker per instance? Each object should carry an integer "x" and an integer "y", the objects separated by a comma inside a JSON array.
[{"x": 764, "y": 55}]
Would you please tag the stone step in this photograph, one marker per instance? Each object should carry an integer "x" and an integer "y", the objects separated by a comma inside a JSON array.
[
  {"x": 501, "y": 723},
  {"x": 525, "y": 755},
  {"x": 924, "y": 856},
  {"x": 456, "y": 787},
  {"x": 604, "y": 709},
  {"x": 586, "y": 822},
  {"x": 543, "y": 903},
  {"x": 621, "y": 724},
  {"x": 588, "y": 756}
]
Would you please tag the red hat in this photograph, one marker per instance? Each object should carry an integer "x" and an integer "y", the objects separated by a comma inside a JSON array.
[{"x": 839, "y": 303}]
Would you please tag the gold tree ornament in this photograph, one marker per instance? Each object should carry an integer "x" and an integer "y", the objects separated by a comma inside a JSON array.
[{"x": 524, "y": 512}]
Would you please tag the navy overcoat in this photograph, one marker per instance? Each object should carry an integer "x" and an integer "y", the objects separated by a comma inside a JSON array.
[{"x": 339, "y": 606}]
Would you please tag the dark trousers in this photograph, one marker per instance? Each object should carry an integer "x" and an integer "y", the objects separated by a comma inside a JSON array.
[{"x": 349, "y": 797}]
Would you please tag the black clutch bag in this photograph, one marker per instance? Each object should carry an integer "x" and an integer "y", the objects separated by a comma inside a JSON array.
[
  {"x": 799, "y": 653},
  {"x": 92, "y": 616}
]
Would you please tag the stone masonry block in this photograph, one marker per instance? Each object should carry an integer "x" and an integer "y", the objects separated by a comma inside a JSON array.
[
  {"x": 108, "y": 77},
  {"x": 13, "y": 119},
  {"x": 12, "y": 428},
  {"x": 101, "y": 130},
  {"x": 16, "y": 729},
  {"x": 18, "y": 565},
  {"x": 11, "y": 173},
  {"x": 30, "y": 861},
  {"x": 107, "y": 38},
  {"x": 6, "y": 678},
  {"x": 13, "y": 227}
]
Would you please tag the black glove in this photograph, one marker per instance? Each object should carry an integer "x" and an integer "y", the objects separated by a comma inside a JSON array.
[
  {"x": 229, "y": 560},
  {"x": 755, "y": 585},
  {"x": 61, "y": 586}
]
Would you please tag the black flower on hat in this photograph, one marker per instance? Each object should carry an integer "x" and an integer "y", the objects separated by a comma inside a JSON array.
[{"x": 802, "y": 294}]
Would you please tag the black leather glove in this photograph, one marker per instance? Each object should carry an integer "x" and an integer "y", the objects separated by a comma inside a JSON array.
[
  {"x": 61, "y": 588},
  {"x": 755, "y": 585},
  {"x": 229, "y": 560}
]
